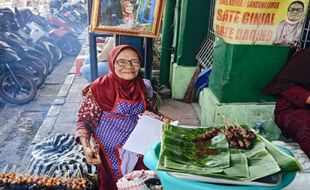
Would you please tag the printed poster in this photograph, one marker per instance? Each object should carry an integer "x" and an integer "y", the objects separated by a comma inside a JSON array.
[{"x": 265, "y": 22}]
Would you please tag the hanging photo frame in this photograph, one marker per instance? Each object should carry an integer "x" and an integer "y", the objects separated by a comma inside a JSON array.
[{"x": 127, "y": 17}]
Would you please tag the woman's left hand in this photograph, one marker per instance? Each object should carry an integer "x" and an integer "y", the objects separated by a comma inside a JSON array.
[
  {"x": 162, "y": 118},
  {"x": 151, "y": 114}
]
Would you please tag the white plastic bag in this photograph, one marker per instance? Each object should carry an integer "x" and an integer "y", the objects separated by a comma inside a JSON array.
[{"x": 135, "y": 180}]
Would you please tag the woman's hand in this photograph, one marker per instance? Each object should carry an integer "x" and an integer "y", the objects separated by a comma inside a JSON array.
[
  {"x": 151, "y": 114},
  {"x": 162, "y": 118},
  {"x": 166, "y": 120},
  {"x": 92, "y": 156}
]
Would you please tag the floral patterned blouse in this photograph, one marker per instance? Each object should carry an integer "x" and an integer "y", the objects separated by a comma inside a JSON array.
[{"x": 89, "y": 113}]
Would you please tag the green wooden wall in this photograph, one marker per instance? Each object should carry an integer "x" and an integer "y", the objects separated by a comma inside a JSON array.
[
  {"x": 240, "y": 72},
  {"x": 192, "y": 27}
]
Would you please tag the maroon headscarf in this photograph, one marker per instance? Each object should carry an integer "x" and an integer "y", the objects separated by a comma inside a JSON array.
[
  {"x": 105, "y": 88},
  {"x": 295, "y": 72}
]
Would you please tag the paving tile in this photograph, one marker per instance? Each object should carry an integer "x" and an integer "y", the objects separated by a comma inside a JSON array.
[
  {"x": 45, "y": 129},
  {"x": 54, "y": 110},
  {"x": 178, "y": 110}
]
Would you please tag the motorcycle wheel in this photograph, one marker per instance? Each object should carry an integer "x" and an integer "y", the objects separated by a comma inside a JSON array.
[
  {"x": 41, "y": 64},
  {"x": 57, "y": 53},
  {"x": 43, "y": 58},
  {"x": 70, "y": 45},
  {"x": 31, "y": 70},
  {"x": 53, "y": 49},
  {"x": 14, "y": 93}
]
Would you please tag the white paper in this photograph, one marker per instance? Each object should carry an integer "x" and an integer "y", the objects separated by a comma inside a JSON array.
[{"x": 145, "y": 135}]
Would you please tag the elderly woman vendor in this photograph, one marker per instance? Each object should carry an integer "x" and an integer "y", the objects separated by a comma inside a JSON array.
[{"x": 109, "y": 113}]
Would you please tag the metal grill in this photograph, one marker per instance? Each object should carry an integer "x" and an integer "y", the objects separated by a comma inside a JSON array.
[
  {"x": 305, "y": 36},
  {"x": 205, "y": 54}
]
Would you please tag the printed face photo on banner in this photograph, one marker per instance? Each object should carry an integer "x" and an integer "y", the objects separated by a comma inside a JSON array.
[
  {"x": 128, "y": 17},
  {"x": 272, "y": 22}
]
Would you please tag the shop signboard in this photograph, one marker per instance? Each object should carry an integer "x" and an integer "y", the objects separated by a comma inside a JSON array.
[{"x": 265, "y": 22}]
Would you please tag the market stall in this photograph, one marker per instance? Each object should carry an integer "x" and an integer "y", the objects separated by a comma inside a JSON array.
[{"x": 219, "y": 158}]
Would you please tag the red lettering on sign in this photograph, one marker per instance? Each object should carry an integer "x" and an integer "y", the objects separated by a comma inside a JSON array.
[
  {"x": 227, "y": 15},
  {"x": 223, "y": 31},
  {"x": 253, "y": 35},
  {"x": 258, "y": 18}
]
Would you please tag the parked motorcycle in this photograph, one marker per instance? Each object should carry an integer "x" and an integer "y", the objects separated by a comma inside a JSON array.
[
  {"x": 26, "y": 52},
  {"x": 36, "y": 33},
  {"x": 27, "y": 66},
  {"x": 36, "y": 53},
  {"x": 59, "y": 34},
  {"x": 64, "y": 37},
  {"x": 72, "y": 17},
  {"x": 16, "y": 86}
]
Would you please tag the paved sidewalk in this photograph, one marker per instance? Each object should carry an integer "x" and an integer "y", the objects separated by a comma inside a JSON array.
[{"x": 61, "y": 118}]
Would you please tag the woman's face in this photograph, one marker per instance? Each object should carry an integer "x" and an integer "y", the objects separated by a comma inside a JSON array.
[
  {"x": 127, "y": 64},
  {"x": 295, "y": 12},
  {"x": 129, "y": 8}
]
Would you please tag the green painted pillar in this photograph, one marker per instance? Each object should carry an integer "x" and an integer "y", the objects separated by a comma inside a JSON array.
[
  {"x": 192, "y": 30},
  {"x": 166, "y": 42},
  {"x": 176, "y": 27},
  {"x": 192, "y": 23}
]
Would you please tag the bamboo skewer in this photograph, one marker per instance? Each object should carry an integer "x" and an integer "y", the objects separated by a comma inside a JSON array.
[
  {"x": 73, "y": 182},
  {"x": 53, "y": 174},
  {"x": 13, "y": 169},
  {"x": 237, "y": 124},
  {"x": 5, "y": 167},
  {"x": 226, "y": 123},
  {"x": 79, "y": 174}
]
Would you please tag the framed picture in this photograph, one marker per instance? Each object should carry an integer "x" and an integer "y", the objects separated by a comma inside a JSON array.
[{"x": 127, "y": 17}]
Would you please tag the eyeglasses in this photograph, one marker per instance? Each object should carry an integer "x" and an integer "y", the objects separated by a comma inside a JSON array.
[
  {"x": 296, "y": 9},
  {"x": 124, "y": 62}
]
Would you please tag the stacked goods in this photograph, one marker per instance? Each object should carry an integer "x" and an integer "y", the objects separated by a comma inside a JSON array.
[
  {"x": 237, "y": 137},
  {"x": 230, "y": 151},
  {"x": 18, "y": 181}
]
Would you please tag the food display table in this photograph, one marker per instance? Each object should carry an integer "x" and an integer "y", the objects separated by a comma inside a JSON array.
[{"x": 173, "y": 183}]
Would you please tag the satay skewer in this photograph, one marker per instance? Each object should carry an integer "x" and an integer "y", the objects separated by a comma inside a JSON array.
[
  {"x": 79, "y": 173},
  {"x": 5, "y": 168},
  {"x": 13, "y": 169},
  {"x": 226, "y": 123}
]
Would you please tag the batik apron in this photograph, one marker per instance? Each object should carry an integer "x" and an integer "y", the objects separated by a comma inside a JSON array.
[{"x": 114, "y": 129}]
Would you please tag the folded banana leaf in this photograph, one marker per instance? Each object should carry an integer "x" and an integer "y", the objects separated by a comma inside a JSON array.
[
  {"x": 286, "y": 163},
  {"x": 171, "y": 165},
  {"x": 179, "y": 147},
  {"x": 179, "y": 154},
  {"x": 260, "y": 161},
  {"x": 239, "y": 165}
]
